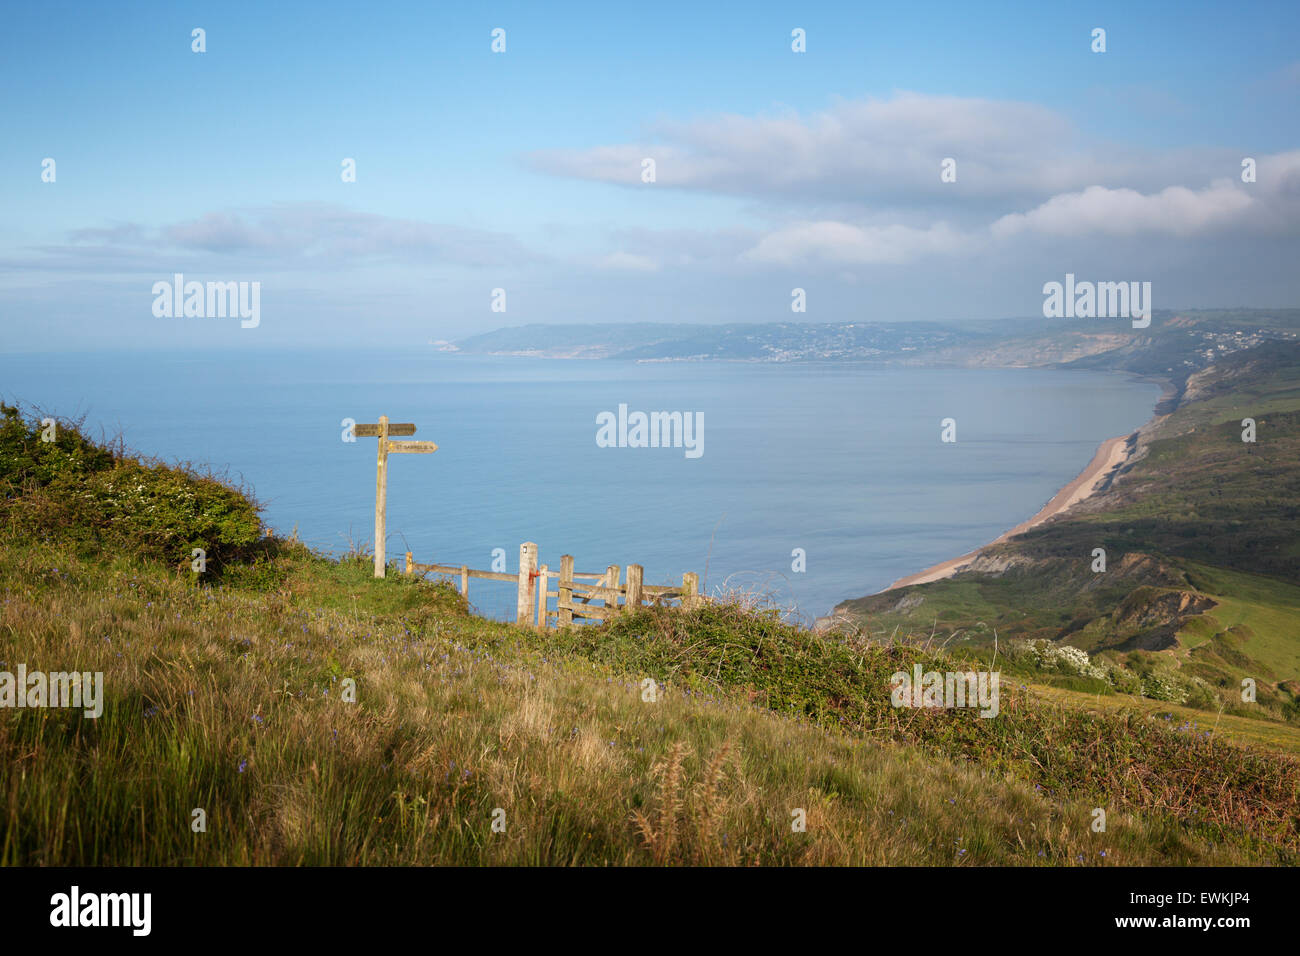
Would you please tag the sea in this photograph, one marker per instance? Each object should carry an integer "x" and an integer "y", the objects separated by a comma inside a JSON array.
[{"x": 809, "y": 484}]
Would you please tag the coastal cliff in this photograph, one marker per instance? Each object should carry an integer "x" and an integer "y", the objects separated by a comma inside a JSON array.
[{"x": 1186, "y": 549}]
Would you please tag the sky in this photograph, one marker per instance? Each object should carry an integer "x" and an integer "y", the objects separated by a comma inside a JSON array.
[{"x": 524, "y": 170}]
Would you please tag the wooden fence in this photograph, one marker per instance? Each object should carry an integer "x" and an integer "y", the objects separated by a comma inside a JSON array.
[{"x": 574, "y": 590}]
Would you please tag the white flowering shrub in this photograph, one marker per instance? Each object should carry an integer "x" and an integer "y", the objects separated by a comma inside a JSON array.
[
  {"x": 1164, "y": 686},
  {"x": 1048, "y": 656}
]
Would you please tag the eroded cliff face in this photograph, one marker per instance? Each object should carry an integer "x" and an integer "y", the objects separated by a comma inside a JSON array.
[
  {"x": 1149, "y": 619},
  {"x": 1217, "y": 379}
]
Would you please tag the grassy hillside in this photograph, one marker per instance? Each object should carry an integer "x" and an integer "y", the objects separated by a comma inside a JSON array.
[
  {"x": 228, "y": 691},
  {"x": 1202, "y": 540}
]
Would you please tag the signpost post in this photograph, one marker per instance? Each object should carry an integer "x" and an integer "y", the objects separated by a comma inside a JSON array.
[{"x": 383, "y": 430}]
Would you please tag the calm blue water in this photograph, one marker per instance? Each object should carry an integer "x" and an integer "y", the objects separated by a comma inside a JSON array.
[{"x": 840, "y": 460}]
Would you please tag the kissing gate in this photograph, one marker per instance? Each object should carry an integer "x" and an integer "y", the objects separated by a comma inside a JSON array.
[{"x": 574, "y": 590}]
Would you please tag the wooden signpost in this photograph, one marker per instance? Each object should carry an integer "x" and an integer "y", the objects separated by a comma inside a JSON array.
[{"x": 383, "y": 430}]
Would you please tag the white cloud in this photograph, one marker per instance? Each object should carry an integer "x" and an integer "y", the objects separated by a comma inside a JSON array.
[
  {"x": 841, "y": 243},
  {"x": 881, "y": 152},
  {"x": 1269, "y": 205},
  {"x": 285, "y": 235},
  {"x": 1175, "y": 210}
]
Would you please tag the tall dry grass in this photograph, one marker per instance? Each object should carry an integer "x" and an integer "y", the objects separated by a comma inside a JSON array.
[{"x": 228, "y": 700}]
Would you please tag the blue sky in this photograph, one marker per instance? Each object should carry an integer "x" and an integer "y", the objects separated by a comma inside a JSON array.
[{"x": 520, "y": 170}]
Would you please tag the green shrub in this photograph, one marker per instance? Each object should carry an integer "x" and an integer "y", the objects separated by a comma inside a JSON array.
[
  {"x": 101, "y": 497},
  {"x": 25, "y": 459}
]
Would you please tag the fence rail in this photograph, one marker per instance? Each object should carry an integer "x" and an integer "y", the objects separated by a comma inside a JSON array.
[{"x": 574, "y": 590}]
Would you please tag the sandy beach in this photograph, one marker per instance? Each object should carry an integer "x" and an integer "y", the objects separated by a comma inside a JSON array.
[{"x": 1110, "y": 456}]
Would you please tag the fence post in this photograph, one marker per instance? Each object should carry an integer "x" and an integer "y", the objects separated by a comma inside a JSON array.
[
  {"x": 527, "y": 565},
  {"x": 564, "y": 603},
  {"x": 690, "y": 590},
  {"x": 381, "y": 497},
  {"x": 464, "y": 581},
  {"x": 635, "y": 573},
  {"x": 408, "y": 564},
  {"x": 543, "y": 582},
  {"x": 611, "y": 581}
]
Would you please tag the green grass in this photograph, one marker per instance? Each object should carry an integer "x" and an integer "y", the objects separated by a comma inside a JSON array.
[
  {"x": 230, "y": 691},
  {"x": 1268, "y": 735},
  {"x": 1267, "y": 608},
  {"x": 228, "y": 700}
]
